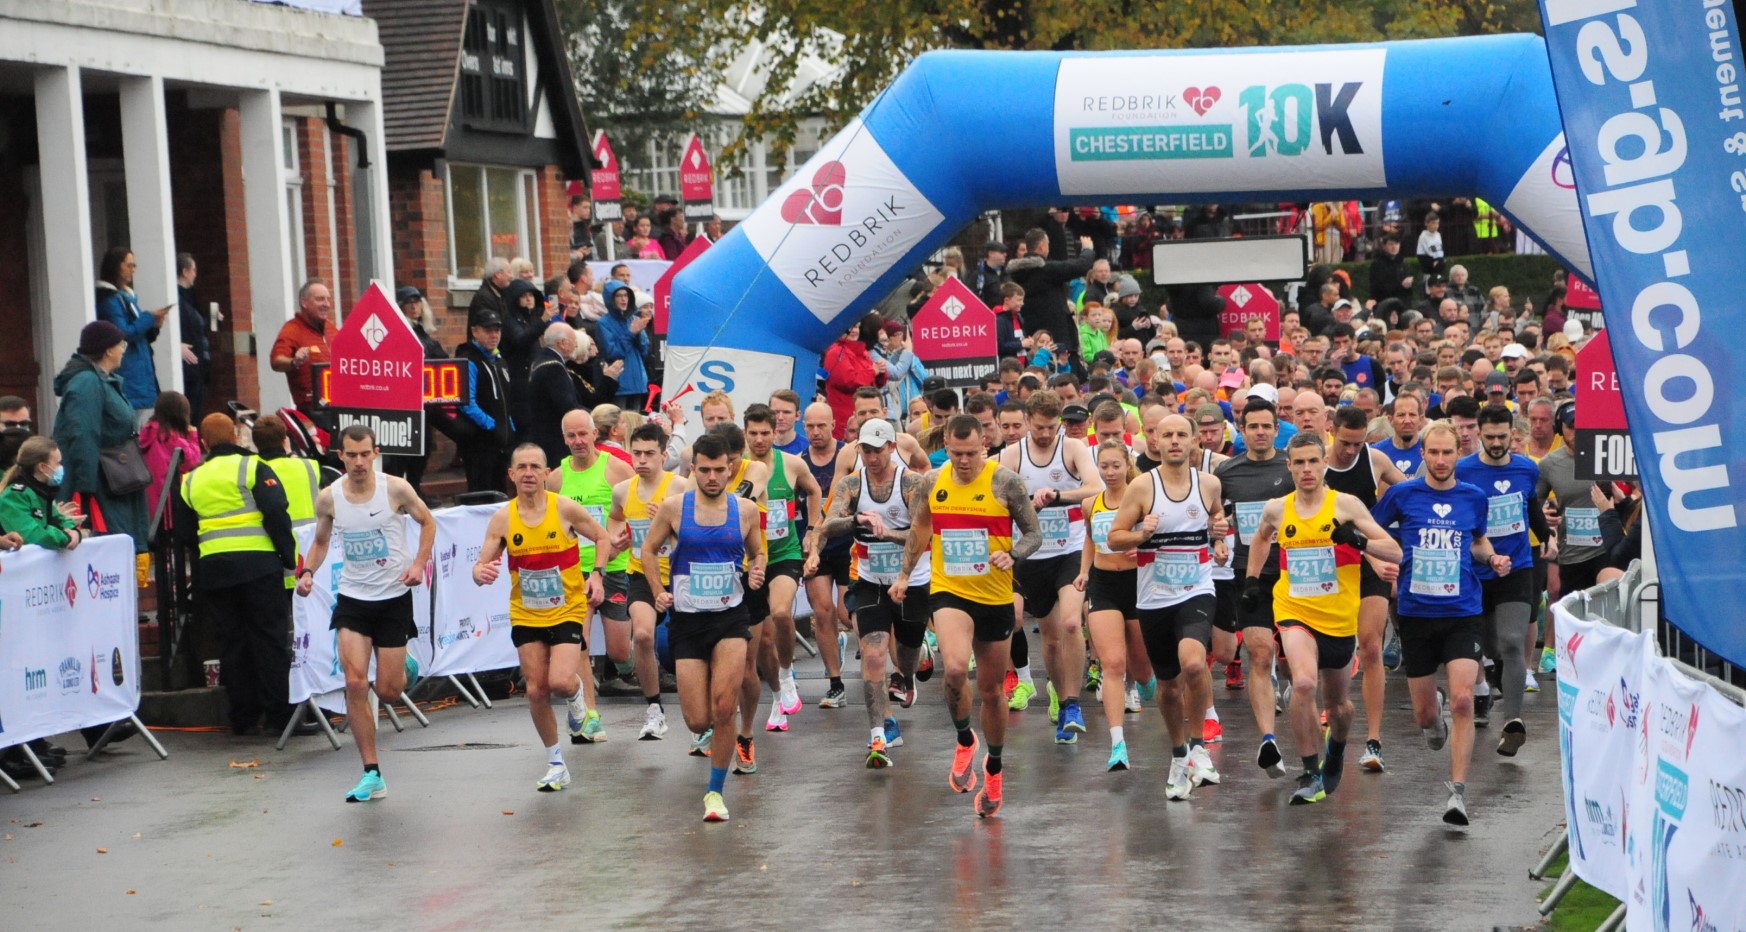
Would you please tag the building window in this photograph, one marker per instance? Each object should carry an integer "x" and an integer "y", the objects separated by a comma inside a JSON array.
[
  {"x": 493, "y": 213},
  {"x": 493, "y": 68},
  {"x": 291, "y": 169}
]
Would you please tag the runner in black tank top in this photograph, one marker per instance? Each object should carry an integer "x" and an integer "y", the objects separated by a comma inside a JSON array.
[{"x": 833, "y": 554}]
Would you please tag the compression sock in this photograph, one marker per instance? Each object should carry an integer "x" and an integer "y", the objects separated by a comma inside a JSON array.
[
  {"x": 992, "y": 765},
  {"x": 717, "y": 779},
  {"x": 966, "y": 737}
]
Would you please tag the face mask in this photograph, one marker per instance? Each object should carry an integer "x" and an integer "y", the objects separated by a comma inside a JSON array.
[{"x": 58, "y": 476}]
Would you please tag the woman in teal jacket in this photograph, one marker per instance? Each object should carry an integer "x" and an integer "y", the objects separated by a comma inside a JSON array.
[{"x": 94, "y": 416}]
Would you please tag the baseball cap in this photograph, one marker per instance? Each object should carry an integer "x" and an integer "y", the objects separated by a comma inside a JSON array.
[
  {"x": 1516, "y": 351},
  {"x": 1075, "y": 414},
  {"x": 406, "y": 293},
  {"x": 1342, "y": 303},
  {"x": 1573, "y": 329},
  {"x": 1566, "y": 415},
  {"x": 1232, "y": 378},
  {"x": 485, "y": 318},
  {"x": 933, "y": 383},
  {"x": 877, "y": 432},
  {"x": 1436, "y": 280},
  {"x": 995, "y": 246},
  {"x": 1098, "y": 399},
  {"x": 1497, "y": 381},
  {"x": 1266, "y": 393}
]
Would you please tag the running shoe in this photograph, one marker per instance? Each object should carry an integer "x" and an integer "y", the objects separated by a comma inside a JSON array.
[
  {"x": 654, "y": 725},
  {"x": 988, "y": 800},
  {"x": 877, "y": 759},
  {"x": 1531, "y": 685},
  {"x": 1131, "y": 701},
  {"x": 1021, "y": 697},
  {"x": 1118, "y": 757},
  {"x": 1269, "y": 759},
  {"x": 833, "y": 698},
  {"x": 576, "y": 717},
  {"x": 1548, "y": 661},
  {"x": 700, "y": 743},
  {"x": 893, "y": 734},
  {"x": 1180, "y": 783},
  {"x": 1437, "y": 735},
  {"x": 411, "y": 671},
  {"x": 1391, "y": 655},
  {"x": 963, "y": 776},
  {"x": 901, "y": 690},
  {"x": 1281, "y": 696},
  {"x": 1333, "y": 766},
  {"x": 778, "y": 721},
  {"x": 714, "y": 808},
  {"x": 1515, "y": 734},
  {"x": 1149, "y": 689},
  {"x": 1072, "y": 724},
  {"x": 1481, "y": 711},
  {"x": 1213, "y": 731},
  {"x": 1009, "y": 684},
  {"x": 593, "y": 732},
  {"x": 1309, "y": 790},
  {"x": 1234, "y": 675},
  {"x": 745, "y": 758},
  {"x": 924, "y": 669},
  {"x": 1093, "y": 676},
  {"x": 1455, "y": 812},
  {"x": 1054, "y": 703},
  {"x": 1371, "y": 760},
  {"x": 370, "y": 787},
  {"x": 788, "y": 698},
  {"x": 557, "y": 777},
  {"x": 1200, "y": 767}
]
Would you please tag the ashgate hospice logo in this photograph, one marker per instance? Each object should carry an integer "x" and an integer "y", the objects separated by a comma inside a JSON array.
[{"x": 100, "y": 585}]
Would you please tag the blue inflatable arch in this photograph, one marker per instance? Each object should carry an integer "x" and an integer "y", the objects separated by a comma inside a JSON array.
[{"x": 959, "y": 133}]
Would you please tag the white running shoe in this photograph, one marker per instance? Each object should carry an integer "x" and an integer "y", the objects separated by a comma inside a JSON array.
[
  {"x": 778, "y": 720},
  {"x": 1180, "y": 783},
  {"x": 1201, "y": 771},
  {"x": 1133, "y": 699},
  {"x": 788, "y": 698},
  {"x": 557, "y": 777},
  {"x": 654, "y": 725}
]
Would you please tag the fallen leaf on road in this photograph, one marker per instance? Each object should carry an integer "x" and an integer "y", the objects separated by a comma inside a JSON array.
[
  {"x": 8, "y": 837},
  {"x": 136, "y": 835},
  {"x": 509, "y": 812},
  {"x": 266, "y": 902},
  {"x": 244, "y": 765},
  {"x": 102, "y": 850},
  {"x": 260, "y": 776},
  {"x": 132, "y": 892},
  {"x": 35, "y": 824},
  {"x": 96, "y": 799},
  {"x": 339, "y": 842}
]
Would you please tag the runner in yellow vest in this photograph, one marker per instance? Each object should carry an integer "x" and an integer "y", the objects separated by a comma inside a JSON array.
[
  {"x": 549, "y": 595},
  {"x": 1323, "y": 536},
  {"x": 633, "y": 509},
  {"x": 586, "y": 477}
]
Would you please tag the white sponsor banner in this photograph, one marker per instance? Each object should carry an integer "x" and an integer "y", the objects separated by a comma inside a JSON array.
[
  {"x": 69, "y": 639},
  {"x": 842, "y": 221},
  {"x": 471, "y": 625},
  {"x": 315, "y": 663},
  {"x": 1599, "y": 715},
  {"x": 1127, "y": 123},
  {"x": 747, "y": 376},
  {"x": 1545, "y": 202},
  {"x": 1686, "y": 848}
]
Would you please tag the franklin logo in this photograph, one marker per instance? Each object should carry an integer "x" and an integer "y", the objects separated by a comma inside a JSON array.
[{"x": 71, "y": 675}]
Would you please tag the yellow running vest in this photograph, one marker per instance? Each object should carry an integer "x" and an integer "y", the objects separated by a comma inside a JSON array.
[
  {"x": 546, "y": 581},
  {"x": 1318, "y": 580},
  {"x": 970, "y": 525},
  {"x": 638, "y": 514}
]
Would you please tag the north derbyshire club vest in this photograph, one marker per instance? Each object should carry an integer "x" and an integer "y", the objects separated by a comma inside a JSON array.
[
  {"x": 970, "y": 525},
  {"x": 547, "y": 585},
  {"x": 638, "y": 514},
  {"x": 1318, "y": 579},
  {"x": 589, "y": 488},
  {"x": 779, "y": 528}
]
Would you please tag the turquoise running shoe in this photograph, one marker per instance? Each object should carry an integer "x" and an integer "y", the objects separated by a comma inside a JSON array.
[
  {"x": 368, "y": 788},
  {"x": 1118, "y": 757}
]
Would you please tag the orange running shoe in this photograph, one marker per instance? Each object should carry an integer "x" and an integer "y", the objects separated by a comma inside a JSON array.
[
  {"x": 988, "y": 801},
  {"x": 1010, "y": 684},
  {"x": 1213, "y": 732},
  {"x": 963, "y": 778}
]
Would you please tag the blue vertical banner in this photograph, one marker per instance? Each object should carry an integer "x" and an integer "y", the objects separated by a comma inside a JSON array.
[{"x": 1653, "y": 116}]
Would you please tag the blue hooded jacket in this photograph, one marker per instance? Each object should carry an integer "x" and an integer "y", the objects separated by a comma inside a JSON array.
[
  {"x": 617, "y": 341},
  {"x": 139, "y": 375}
]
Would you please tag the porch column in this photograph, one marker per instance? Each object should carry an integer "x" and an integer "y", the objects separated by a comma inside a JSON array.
[
  {"x": 145, "y": 142},
  {"x": 66, "y": 223},
  {"x": 272, "y": 293}
]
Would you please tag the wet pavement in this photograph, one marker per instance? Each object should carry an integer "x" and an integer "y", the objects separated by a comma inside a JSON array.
[{"x": 816, "y": 840}]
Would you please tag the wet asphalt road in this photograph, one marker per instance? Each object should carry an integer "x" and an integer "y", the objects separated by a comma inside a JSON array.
[{"x": 816, "y": 840}]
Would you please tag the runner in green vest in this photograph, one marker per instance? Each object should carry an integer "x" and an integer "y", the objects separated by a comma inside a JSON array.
[
  {"x": 789, "y": 480},
  {"x": 586, "y": 477}
]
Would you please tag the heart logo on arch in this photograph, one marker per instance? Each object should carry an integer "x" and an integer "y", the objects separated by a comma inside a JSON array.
[
  {"x": 1201, "y": 99},
  {"x": 822, "y": 205}
]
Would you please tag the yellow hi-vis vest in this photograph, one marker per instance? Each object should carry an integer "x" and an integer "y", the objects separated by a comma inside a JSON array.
[
  {"x": 221, "y": 492},
  {"x": 302, "y": 481}
]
